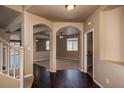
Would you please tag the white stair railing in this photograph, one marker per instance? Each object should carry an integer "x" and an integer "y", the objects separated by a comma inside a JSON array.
[{"x": 11, "y": 61}]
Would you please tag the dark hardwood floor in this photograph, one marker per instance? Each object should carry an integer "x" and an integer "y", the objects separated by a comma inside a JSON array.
[
  {"x": 41, "y": 77},
  {"x": 61, "y": 79}
]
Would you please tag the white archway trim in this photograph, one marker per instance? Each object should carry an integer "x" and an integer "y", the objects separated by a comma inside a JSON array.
[
  {"x": 59, "y": 25},
  {"x": 56, "y": 27}
]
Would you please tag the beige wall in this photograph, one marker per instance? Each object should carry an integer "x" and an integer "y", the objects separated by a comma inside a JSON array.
[
  {"x": 8, "y": 82},
  {"x": 62, "y": 48},
  {"x": 112, "y": 29},
  {"x": 29, "y": 21},
  {"x": 103, "y": 70}
]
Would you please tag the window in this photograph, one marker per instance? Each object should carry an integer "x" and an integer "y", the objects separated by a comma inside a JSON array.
[
  {"x": 47, "y": 45},
  {"x": 42, "y": 45},
  {"x": 72, "y": 44}
]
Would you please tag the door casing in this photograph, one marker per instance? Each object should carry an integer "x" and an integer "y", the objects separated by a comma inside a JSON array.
[{"x": 85, "y": 50}]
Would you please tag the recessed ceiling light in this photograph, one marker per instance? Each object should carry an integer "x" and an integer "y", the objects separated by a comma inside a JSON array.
[{"x": 70, "y": 7}]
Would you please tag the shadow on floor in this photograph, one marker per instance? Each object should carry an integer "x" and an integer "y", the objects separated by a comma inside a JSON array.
[{"x": 61, "y": 79}]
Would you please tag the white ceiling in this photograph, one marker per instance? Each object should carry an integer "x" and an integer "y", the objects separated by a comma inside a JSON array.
[{"x": 60, "y": 13}]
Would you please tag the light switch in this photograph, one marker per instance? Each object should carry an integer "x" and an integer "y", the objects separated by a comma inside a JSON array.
[{"x": 29, "y": 48}]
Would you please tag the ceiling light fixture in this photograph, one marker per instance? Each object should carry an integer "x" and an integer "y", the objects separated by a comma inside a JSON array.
[
  {"x": 61, "y": 36},
  {"x": 70, "y": 7},
  {"x": 37, "y": 40}
]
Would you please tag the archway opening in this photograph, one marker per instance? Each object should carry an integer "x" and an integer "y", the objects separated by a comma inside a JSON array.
[
  {"x": 41, "y": 45},
  {"x": 68, "y": 48}
]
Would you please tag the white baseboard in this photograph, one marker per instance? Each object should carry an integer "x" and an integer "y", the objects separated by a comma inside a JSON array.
[
  {"x": 41, "y": 59},
  {"x": 68, "y": 58},
  {"x": 29, "y": 75},
  {"x": 98, "y": 83}
]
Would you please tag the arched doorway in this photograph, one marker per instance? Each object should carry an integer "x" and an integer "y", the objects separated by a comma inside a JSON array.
[
  {"x": 41, "y": 45},
  {"x": 68, "y": 54},
  {"x": 41, "y": 55}
]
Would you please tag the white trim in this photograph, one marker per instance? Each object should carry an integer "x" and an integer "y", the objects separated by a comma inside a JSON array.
[
  {"x": 29, "y": 75},
  {"x": 101, "y": 86},
  {"x": 41, "y": 59},
  {"x": 14, "y": 61},
  {"x": 85, "y": 50},
  {"x": 8, "y": 59},
  {"x": 21, "y": 67},
  {"x": 68, "y": 58},
  {"x": 4, "y": 65},
  {"x": 1, "y": 57}
]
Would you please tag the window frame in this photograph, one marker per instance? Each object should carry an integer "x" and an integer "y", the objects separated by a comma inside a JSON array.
[{"x": 72, "y": 45}]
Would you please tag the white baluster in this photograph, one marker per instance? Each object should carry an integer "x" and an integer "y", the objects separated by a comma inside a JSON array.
[
  {"x": 14, "y": 63},
  {"x": 1, "y": 57},
  {"x": 8, "y": 64},
  {"x": 6, "y": 58},
  {"x": 21, "y": 67}
]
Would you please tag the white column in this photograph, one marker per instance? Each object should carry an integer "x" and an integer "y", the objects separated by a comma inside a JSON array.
[
  {"x": 27, "y": 43},
  {"x": 53, "y": 52}
]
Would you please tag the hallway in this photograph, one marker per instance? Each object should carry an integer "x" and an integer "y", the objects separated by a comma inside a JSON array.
[{"x": 61, "y": 79}]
